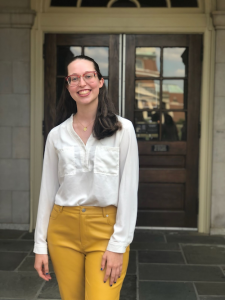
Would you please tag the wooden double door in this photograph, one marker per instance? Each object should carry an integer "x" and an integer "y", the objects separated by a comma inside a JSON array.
[{"x": 154, "y": 81}]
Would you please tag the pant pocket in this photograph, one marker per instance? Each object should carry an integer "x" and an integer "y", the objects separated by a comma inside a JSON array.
[{"x": 111, "y": 219}]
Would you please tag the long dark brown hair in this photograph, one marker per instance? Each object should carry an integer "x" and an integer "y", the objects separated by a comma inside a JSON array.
[{"x": 106, "y": 122}]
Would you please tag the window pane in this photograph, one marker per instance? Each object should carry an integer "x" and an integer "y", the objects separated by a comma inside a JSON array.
[
  {"x": 123, "y": 3},
  {"x": 153, "y": 3},
  {"x": 147, "y": 62},
  {"x": 106, "y": 83},
  {"x": 64, "y": 3},
  {"x": 75, "y": 50},
  {"x": 173, "y": 94},
  {"x": 174, "y": 126},
  {"x": 94, "y": 3},
  {"x": 147, "y": 94},
  {"x": 184, "y": 3},
  {"x": 64, "y": 55},
  {"x": 147, "y": 125},
  {"x": 101, "y": 56},
  {"x": 175, "y": 62}
]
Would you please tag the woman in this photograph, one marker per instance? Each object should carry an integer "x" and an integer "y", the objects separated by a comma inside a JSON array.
[{"x": 88, "y": 199}]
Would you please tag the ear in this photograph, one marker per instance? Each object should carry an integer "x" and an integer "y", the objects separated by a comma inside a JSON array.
[{"x": 101, "y": 82}]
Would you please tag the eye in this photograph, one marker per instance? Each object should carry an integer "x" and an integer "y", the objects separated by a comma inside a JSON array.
[{"x": 74, "y": 78}]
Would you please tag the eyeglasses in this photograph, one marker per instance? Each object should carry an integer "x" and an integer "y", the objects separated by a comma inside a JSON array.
[{"x": 89, "y": 77}]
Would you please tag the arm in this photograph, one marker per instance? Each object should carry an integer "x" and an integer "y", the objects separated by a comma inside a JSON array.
[
  {"x": 49, "y": 187},
  {"x": 127, "y": 205}
]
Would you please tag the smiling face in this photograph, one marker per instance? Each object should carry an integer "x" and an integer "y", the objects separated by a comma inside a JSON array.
[{"x": 84, "y": 93}]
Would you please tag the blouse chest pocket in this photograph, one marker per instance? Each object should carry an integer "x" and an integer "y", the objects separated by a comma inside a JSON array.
[
  {"x": 106, "y": 160},
  {"x": 66, "y": 165}
]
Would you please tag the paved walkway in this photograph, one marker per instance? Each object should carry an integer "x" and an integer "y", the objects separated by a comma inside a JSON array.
[{"x": 163, "y": 265}]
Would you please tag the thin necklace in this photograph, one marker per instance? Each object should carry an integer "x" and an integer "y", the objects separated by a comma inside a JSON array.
[{"x": 84, "y": 127}]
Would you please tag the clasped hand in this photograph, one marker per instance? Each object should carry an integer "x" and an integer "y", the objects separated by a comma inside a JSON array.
[{"x": 113, "y": 262}]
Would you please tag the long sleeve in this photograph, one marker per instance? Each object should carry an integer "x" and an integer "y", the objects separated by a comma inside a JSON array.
[
  {"x": 48, "y": 190},
  {"x": 127, "y": 203}
]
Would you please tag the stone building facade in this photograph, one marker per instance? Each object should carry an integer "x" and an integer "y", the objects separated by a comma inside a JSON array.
[{"x": 17, "y": 20}]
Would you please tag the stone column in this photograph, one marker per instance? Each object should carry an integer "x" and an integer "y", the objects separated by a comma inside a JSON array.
[
  {"x": 218, "y": 168},
  {"x": 16, "y": 19}
]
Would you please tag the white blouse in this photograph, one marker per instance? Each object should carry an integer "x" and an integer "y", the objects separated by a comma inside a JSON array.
[{"x": 100, "y": 173}]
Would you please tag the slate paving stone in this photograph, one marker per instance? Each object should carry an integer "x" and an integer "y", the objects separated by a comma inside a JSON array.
[
  {"x": 192, "y": 239},
  {"x": 147, "y": 236},
  {"x": 50, "y": 289},
  {"x": 154, "y": 246},
  {"x": 28, "y": 236},
  {"x": 16, "y": 245},
  {"x": 10, "y": 234},
  {"x": 209, "y": 289},
  {"x": 211, "y": 298},
  {"x": 132, "y": 263},
  {"x": 162, "y": 257},
  {"x": 9, "y": 261},
  {"x": 209, "y": 255},
  {"x": 166, "y": 290},
  {"x": 128, "y": 291},
  {"x": 180, "y": 273},
  {"x": 28, "y": 265},
  {"x": 19, "y": 285}
]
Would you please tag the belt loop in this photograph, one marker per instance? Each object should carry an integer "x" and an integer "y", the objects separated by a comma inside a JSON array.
[
  {"x": 104, "y": 212},
  {"x": 60, "y": 208}
]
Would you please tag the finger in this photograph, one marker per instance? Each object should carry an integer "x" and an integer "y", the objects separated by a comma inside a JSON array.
[
  {"x": 107, "y": 273},
  {"x": 103, "y": 263},
  {"x": 46, "y": 270},
  {"x": 40, "y": 273},
  {"x": 120, "y": 272},
  {"x": 112, "y": 276},
  {"x": 117, "y": 274}
]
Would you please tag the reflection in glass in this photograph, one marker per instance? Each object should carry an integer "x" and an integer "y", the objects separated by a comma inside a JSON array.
[
  {"x": 174, "y": 62},
  {"x": 106, "y": 83},
  {"x": 147, "y": 125},
  {"x": 75, "y": 50},
  {"x": 147, "y": 94},
  {"x": 101, "y": 56},
  {"x": 173, "y": 94},
  {"x": 64, "y": 55},
  {"x": 147, "y": 62},
  {"x": 173, "y": 126}
]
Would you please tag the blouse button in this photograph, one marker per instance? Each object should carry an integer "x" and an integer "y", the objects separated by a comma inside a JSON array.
[{"x": 83, "y": 209}]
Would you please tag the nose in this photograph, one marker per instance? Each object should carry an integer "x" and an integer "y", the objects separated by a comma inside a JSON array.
[{"x": 82, "y": 82}]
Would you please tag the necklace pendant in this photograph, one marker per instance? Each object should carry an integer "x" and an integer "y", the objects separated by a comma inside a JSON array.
[{"x": 85, "y": 128}]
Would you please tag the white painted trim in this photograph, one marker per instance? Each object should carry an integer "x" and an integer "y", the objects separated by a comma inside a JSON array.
[
  {"x": 124, "y": 75},
  {"x": 127, "y": 21},
  {"x": 166, "y": 228},
  {"x": 120, "y": 73}
]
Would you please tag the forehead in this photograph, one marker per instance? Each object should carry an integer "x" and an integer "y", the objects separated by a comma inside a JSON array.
[{"x": 80, "y": 66}]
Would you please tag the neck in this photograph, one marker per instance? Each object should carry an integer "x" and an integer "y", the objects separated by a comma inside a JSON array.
[{"x": 87, "y": 113}]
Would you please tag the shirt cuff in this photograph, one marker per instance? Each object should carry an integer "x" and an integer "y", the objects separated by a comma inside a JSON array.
[
  {"x": 118, "y": 248},
  {"x": 40, "y": 249}
]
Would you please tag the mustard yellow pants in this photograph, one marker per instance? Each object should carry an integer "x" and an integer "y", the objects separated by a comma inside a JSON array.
[{"x": 77, "y": 239}]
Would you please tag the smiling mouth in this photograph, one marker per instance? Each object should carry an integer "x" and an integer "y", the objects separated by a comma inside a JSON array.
[{"x": 83, "y": 92}]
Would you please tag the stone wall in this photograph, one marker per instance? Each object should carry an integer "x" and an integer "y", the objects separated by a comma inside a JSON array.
[
  {"x": 16, "y": 19},
  {"x": 218, "y": 176}
]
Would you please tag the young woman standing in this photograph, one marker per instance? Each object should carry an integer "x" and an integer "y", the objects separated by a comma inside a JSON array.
[{"x": 88, "y": 198}]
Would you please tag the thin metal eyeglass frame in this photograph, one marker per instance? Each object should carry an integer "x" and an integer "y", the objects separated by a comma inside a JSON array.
[{"x": 79, "y": 76}]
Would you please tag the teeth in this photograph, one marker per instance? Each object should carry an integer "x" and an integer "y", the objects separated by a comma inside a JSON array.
[{"x": 84, "y": 92}]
